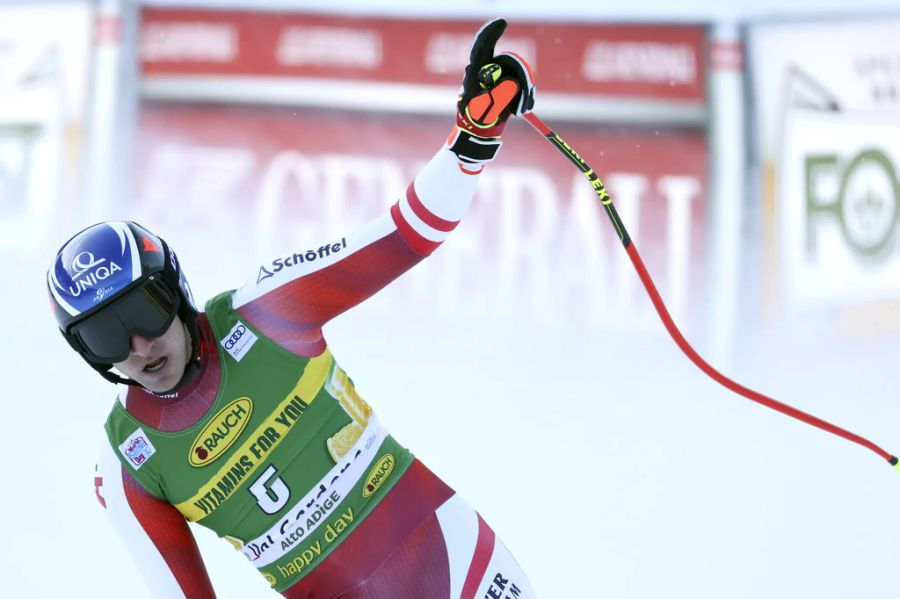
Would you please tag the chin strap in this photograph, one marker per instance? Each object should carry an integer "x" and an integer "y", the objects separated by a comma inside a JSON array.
[{"x": 106, "y": 372}]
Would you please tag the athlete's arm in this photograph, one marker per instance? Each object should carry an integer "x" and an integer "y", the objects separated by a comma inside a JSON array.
[
  {"x": 292, "y": 297},
  {"x": 153, "y": 531}
]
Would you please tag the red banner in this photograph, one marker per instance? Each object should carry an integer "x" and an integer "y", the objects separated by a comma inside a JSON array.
[
  {"x": 660, "y": 62},
  {"x": 535, "y": 243}
]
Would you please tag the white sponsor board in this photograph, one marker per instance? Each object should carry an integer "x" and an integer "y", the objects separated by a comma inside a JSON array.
[
  {"x": 852, "y": 61},
  {"x": 827, "y": 117},
  {"x": 838, "y": 208},
  {"x": 44, "y": 57}
]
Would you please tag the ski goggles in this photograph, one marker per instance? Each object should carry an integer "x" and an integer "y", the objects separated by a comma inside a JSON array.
[{"x": 148, "y": 310}]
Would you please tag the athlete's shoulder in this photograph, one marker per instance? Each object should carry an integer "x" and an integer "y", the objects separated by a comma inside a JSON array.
[
  {"x": 295, "y": 264},
  {"x": 121, "y": 400}
]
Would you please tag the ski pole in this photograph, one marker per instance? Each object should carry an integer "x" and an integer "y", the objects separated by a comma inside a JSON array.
[{"x": 663, "y": 312}]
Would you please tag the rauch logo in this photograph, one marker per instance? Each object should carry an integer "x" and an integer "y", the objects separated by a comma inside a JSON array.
[
  {"x": 378, "y": 474},
  {"x": 221, "y": 432}
]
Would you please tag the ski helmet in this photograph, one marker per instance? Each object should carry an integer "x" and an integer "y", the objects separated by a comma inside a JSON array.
[{"x": 110, "y": 281}]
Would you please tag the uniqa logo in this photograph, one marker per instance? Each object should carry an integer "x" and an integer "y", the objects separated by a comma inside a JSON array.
[
  {"x": 83, "y": 262},
  {"x": 378, "y": 474},
  {"x": 220, "y": 432},
  {"x": 86, "y": 265}
]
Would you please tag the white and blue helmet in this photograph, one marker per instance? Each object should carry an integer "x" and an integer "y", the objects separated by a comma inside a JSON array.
[{"x": 110, "y": 281}]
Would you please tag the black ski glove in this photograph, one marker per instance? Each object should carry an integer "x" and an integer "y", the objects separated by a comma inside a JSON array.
[{"x": 494, "y": 87}]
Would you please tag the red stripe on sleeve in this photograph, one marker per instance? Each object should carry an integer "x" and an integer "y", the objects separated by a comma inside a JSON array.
[
  {"x": 168, "y": 530},
  {"x": 429, "y": 218},
  {"x": 484, "y": 548},
  {"x": 418, "y": 243},
  {"x": 467, "y": 172}
]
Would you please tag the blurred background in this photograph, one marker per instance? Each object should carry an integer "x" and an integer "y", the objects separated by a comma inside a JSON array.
[{"x": 752, "y": 152}]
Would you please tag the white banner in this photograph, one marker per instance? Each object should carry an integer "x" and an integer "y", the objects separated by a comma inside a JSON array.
[
  {"x": 838, "y": 208},
  {"x": 43, "y": 91},
  {"x": 851, "y": 63},
  {"x": 827, "y": 117}
]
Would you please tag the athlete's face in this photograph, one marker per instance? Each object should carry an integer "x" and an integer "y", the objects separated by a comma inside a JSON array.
[{"x": 158, "y": 363}]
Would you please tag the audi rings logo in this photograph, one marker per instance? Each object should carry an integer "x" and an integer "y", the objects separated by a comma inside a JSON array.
[
  {"x": 239, "y": 341},
  {"x": 235, "y": 336}
]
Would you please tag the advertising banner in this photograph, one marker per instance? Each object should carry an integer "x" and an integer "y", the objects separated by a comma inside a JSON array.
[
  {"x": 44, "y": 51},
  {"x": 535, "y": 245},
  {"x": 585, "y": 69},
  {"x": 838, "y": 223},
  {"x": 827, "y": 119}
]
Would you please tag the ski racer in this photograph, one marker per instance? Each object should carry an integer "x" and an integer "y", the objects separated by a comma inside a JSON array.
[{"x": 239, "y": 418}]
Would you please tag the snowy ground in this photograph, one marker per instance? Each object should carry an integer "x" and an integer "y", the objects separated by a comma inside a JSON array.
[{"x": 610, "y": 466}]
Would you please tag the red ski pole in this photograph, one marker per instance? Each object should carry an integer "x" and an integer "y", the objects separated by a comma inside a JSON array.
[{"x": 660, "y": 306}]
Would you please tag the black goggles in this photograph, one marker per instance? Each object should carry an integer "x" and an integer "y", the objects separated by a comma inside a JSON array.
[{"x": 148, "y": 310}]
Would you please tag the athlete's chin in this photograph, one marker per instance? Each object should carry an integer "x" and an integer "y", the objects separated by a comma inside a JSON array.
[
  {"x": 162, "y": 381},
  {"x": 155, "y": 384}
]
